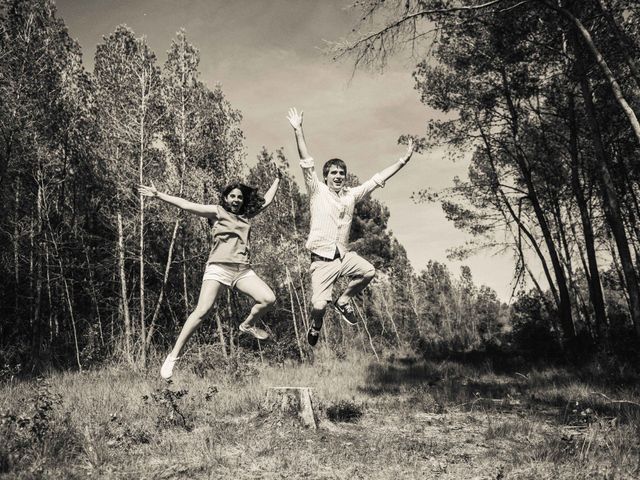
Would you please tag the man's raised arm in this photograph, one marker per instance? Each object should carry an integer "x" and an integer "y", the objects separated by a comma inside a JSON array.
[
  {"x": 391, "y": 170},
  {"x": 379, "y": 179},
  {"x": 295, "y": 119},
  {"x": 306, "y": 161}
]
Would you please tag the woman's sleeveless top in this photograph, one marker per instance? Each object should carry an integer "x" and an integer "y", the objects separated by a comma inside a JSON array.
[{"x": 231, "y": 236}]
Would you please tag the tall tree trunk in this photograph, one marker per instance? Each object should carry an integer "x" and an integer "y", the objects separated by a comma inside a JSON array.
[
  {"x": 232, "y": 347},
  {"x": 561, "y": 281},
  {"x": 223, "y": 342},
  {"x": 289, "y": 282},
  {"x": 123, "y": 290},
  {"x": 165, "y": 278},
  {"x": 363, "y": 316},
  {"x": 618, "y": 269},
  {"x": 141, "y": 139},
  {"x": 36, "y": 322},
  {"x": 185, "y": 290},
  {"x": 593, "y": 274},
  {"x": 611, "y": 207},
  {"x": 502, "y": 196},
  {"x": 31, "y": 277},
  {"x": 608, "y": 74},
  {"x": 304, "y": 312},
  {"x": 67, "y": 292},
  {"x": 519, "y": 156},
  {"x": 143, "y": 329},
  {"x": 413, "y": 301},
  {"x": 93, "y": 290},
  {"x": 16, "y": 249},
  {"x": 54, "y": 328},
  {"x": 385, "y": 303},
  {"x": 622, "y": 38}
]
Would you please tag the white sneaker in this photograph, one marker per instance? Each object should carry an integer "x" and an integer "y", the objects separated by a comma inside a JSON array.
[
  {"x": 167, "y": 367},
  {"x": 257, "y": 332}
]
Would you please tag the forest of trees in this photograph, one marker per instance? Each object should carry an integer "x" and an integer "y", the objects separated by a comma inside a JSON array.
[{"x": 542, "y": 93}]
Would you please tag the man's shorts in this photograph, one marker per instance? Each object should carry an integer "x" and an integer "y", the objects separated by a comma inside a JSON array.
[
  {"x": 227, "y": 273},
  {"x": 324, "y": 274}
]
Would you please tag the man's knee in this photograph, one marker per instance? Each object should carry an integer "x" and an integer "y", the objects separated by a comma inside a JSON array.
[
  {"x": 369, "y": 274},
  {"x": 319, "y": 306}
]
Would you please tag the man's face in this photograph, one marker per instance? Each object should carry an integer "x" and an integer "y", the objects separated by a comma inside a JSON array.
[{"x": 335, "y": 178}]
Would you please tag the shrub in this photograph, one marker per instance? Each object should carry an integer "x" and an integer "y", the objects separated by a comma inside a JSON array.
[
  {"x": 43, "y": 431},
  {"x": 169, "y": 411},
  {"x": 344, "y": 411}
]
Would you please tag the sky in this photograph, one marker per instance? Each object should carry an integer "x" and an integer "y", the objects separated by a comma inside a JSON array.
[{"x": 268, "y": 55}]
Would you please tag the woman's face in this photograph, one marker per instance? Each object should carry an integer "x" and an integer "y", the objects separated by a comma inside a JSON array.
[{"x": 234, "y": 200}]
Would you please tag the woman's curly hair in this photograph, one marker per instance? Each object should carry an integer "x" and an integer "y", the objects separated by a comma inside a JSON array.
[{"x": 252, "y": 201}]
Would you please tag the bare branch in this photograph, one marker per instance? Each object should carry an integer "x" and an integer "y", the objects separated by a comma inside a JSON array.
[
  {"x": 610, "y": 400},
  {"x": 381, "y": 43}
]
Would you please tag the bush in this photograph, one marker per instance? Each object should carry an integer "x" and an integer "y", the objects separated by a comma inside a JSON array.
[
  {"x": 169, "y": 410},
  {"x": 209, "y": 360},
  {"x": 534, "y": 333},
  {"x": 344, "y": 411},
  {"x": 41, "y": 432}
]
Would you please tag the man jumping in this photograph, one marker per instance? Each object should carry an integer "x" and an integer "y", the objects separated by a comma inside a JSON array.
[{"x": 332, "y": 205}]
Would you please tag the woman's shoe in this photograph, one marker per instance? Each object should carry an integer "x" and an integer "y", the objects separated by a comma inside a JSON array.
[
  {"x": 257, "y": 332},
  {"x": 167, "y": 367}
]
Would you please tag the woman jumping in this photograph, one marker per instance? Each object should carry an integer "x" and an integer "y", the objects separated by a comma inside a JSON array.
[{"x": 229, "y": 260}]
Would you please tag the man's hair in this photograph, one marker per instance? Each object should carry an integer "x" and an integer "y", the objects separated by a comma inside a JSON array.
[
  {"x": 334, "y": 161},
  {"x": 252, "y": 201}
]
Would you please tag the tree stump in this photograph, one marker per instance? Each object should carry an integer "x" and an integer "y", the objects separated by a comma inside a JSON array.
[{"x": 293, "y": 401}]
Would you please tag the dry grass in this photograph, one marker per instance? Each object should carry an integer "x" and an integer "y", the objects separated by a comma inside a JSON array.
[{"x": 398, "y": 418}]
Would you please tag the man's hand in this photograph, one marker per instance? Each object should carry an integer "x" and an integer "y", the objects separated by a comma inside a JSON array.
[
  {"x": 295, "y": 118},
  {"x": 407, "y": 156}
]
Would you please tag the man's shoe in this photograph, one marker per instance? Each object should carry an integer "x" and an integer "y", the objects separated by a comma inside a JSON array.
[
  {"x": 313, "y": 335},
  {"x": 257, "y": 332},
  {"x": 167, "y": 367},
  {"x": 347, "y": 312}
]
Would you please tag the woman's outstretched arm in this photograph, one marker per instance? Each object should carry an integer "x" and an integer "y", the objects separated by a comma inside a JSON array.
[{"x": 208, "y": 211}]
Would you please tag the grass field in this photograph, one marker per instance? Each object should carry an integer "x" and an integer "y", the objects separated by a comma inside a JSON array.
[{"x": 401, "y": 417}]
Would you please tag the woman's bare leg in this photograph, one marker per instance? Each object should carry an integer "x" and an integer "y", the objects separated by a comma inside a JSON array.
[
  {"x": 261, "y": 293},
  {"x": 208, "y": 294}
]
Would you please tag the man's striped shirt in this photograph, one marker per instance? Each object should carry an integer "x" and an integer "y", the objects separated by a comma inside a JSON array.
[{"x": 331, "y": 212}]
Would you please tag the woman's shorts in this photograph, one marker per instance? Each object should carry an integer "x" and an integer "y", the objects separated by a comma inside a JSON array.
[{"x": 227, "y": 273}]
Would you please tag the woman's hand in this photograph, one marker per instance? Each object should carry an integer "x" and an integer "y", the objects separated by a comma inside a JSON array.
[
  {"x": 281, "y": 165},
  {"x": 147, "y": 191}
]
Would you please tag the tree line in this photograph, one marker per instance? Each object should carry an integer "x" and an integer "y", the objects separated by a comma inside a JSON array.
[
  {"x": 543, "y": 95},
  {"x": 92, "y": 272}
]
